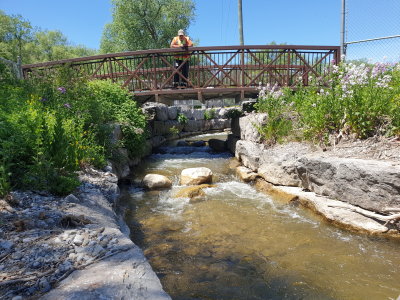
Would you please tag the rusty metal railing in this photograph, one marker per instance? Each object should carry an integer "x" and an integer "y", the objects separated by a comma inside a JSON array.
[{"x": 235, "y": 70}]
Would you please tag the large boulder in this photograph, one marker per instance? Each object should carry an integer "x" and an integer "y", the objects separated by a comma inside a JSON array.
[
  {"x": 235, "y": 127},
  {"x": 198, "y": 144},
  {"x": 164, "y": 128},
  {"x": 218, "y": 145},
  {"x": 161, "y": 111},
  {"x": 372, "y": 185},
  {"x": 192, "y": 125},
  {"x": 149, "y": 129},
  {"x": 279, "y": 167},
  {"x": 231, "y": 143},
  {"x": 196, "y": 176},
  {"x": 249, "y": 154},
  {"x": 248, "y": 126},
  {"x": 155, "y": 181},
  {"x": 158, "y": 140},
  {"x": 219, "y": 124},
  {"x": 205, "y": 125},
  {"x": 246, "y": 174},
  {"x": 172, "y": 112}
]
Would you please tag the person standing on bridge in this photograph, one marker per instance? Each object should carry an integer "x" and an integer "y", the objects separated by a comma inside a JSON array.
[{"x": 183, "y": 42}]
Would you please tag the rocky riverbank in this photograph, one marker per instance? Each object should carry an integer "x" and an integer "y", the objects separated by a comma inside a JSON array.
[
  {"x": 73, "y": 247},
  {"x": 348, "y": 189}
]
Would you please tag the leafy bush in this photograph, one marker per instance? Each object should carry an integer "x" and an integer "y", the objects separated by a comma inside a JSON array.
[
  {"x": 358, "y": 100},
  {"x": 182, "y": 119},
  {"x": 233, "y": 113},
  {"x": 272, "y": 101},
  {"x": 209, "y": 116},
  {"x": 50, "y": 130}
]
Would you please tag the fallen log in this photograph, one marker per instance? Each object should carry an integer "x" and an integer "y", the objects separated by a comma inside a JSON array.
[{"x": 392, "y": 218}]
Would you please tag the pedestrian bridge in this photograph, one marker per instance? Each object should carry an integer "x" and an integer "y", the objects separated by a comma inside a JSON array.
[{"x": 214, "y": 72}]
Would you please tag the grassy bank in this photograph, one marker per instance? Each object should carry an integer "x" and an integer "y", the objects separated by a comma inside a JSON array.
[
  {"x": 358, "y": 100},
  {"x": 52, "y": 129}
]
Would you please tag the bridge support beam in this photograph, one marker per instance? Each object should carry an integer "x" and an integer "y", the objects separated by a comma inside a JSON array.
[
  {"x": 200, "y": 97},
  {"x": 239, "y": 97},
  {"x": 163, "y": 99}
]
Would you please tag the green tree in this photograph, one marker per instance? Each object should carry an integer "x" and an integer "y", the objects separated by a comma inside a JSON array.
[
  {"x": 145, "y": 24},
  {"x": 16, "y": 34},
  {"x": 54, "y": 45}
]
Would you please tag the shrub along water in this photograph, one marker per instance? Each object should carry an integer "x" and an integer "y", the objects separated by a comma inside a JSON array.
[
  {"x": 358, "y": 100},
  {"x": 51, "y": 129}
]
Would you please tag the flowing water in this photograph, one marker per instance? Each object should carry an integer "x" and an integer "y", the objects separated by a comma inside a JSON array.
[{"x": 243, "y": 244}]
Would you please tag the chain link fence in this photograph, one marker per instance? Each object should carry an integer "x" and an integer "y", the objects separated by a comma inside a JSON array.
[
  {"x": 12, "y": 67},
  {"x": 372, "y": 30}
]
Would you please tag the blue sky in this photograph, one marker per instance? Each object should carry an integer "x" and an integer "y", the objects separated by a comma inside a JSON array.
[{"x": 305, "y": 22}]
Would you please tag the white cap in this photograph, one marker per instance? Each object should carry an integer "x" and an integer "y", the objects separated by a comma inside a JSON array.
[{"x": 181, "y": 32}]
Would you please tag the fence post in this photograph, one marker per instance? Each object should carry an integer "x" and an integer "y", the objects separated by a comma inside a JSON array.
[{"x": 19, "y": 66}]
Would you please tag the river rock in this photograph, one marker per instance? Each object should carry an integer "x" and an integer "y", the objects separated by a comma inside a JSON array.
[
  {"x": 246, "y": 174},
  {"x": 182, "y": 144},
  {"x": 158, "y": 140},
  {"x": 231, "y": 142},
  {"x": 196, "y": 176},
  {"x": 155, "y": 181},
  {"x": 235, "y": 127},
  {"x": 193, "y": 191},
  {"x": 219, "y": 124},
  {"x": 218, "y": 145},
  {"x": 172, "y": 112},
  {"x": 192, "y": 125},
  {"x": 6, "y": 245},
  {"x": 372, "y": 185},
  {"x": 248, "y": 124},
  {"x": 198, "y": 144},
  {"x": 249, "y": 153},
  {"x": 279, "y": 168}
]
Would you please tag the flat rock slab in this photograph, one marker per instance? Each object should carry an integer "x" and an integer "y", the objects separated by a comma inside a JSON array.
[
  {"x": 339, "y": 216},
  {"x": 126, "y": 275}
]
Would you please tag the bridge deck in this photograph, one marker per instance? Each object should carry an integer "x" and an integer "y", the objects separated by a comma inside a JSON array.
[{"x": 214, "y": 72}]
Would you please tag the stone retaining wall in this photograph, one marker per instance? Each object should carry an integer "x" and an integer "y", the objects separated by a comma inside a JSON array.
[
  {"x": 368, "y": 184},
  {"x": 161, "y": 118}
]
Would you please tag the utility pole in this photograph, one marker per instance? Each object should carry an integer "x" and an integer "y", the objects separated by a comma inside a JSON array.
[
  {"x": 240, "y": 22},
  {"x": 343, "y": 25}
]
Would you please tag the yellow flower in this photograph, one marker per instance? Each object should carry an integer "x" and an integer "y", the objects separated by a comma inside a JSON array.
[{"x": 76, "y": 142}]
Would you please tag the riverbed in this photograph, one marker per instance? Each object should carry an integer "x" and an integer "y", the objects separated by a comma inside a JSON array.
[{"x": 243, "y": 244}]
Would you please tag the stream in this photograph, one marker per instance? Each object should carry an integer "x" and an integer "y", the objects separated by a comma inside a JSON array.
[{"x": 243, "y": 244}]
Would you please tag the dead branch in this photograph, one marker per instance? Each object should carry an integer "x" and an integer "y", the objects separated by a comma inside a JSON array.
[
  {"x": 395, "y": 218},
  {"x": 19, "y": 280}
]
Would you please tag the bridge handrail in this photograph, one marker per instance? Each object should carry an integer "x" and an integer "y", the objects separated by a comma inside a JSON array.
[{"x": 172, "y": 50}]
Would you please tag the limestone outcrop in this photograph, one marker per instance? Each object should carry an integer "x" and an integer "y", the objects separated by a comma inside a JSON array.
[
  {"x": 196, "y": 176},
  {"x": 372, "y": 185},
  {"x": 246, "y": 174},
  {"x": 155, "y": 181}
]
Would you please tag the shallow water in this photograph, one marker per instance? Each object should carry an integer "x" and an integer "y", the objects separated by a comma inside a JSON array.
[{"x": 243, "y": 244}]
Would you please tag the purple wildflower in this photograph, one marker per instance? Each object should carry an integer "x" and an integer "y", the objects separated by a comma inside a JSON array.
[
  {"x": 91, "y": 94},
  {"x": 44, "y": 99},
  {"x": 291, "y": 104},
  {"x": 62, "y": 90},
  {"x": 67, "y": 105}
]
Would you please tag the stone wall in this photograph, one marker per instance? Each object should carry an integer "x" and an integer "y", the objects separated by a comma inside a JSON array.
[
  {"x": 372, "y": 185},
  {"x": 161, "y": 118}
]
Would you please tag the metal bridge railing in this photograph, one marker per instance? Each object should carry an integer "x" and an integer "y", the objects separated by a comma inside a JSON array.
[
  {"x": 234, "y": 69},
  {"x": 14, "y": 68}
]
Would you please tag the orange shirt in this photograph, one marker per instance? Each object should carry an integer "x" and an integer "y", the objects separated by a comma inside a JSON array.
[{"x": 177, "y": 41}]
